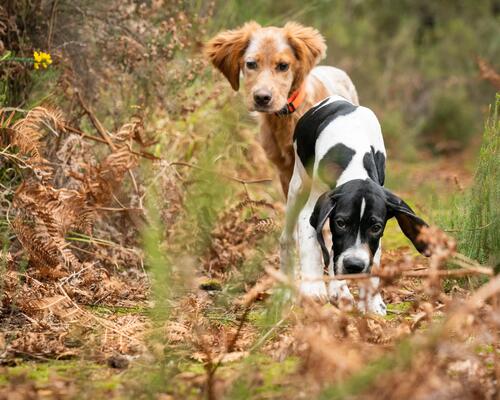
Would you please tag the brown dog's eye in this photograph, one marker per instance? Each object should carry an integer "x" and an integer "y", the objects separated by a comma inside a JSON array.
[
  {"x": 251, "y": 65},
  {"x": 282, "y": 67}
]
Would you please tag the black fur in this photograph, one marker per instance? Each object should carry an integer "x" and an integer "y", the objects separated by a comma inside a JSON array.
[
  {"x": 322, "y": 210},
  {"x": 312, "y": 124},
  {"x": 334, "y": 162},
  {"x": 374, "y": 163},
  {"x": 344, "y": 203},
  {"x": 409, "y": 223}
]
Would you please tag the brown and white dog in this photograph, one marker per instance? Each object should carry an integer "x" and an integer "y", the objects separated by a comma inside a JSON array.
[{"x": 280, "y": 79}]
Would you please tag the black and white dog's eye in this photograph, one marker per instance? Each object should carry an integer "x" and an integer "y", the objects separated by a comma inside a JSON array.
[
  {"x": 376, "y": 228},
  {"x": 340, "y": 223},
  {"x": 283, "y": 67},
  {"x": 251, "y": 65}
]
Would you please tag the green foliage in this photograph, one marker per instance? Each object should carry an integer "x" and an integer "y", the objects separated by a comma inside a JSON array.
[
  {"x": 208, "y": 195},
  {"x": 360, "y": 382},
  {"x": 413, "y": 63},
  {"x": 161, "y": 269},
  {"x": 91, "y": 379},
  {"x": 404, "y": 57},
  {"x": 476, "y": 217},
  {"x": 263, "y": 368},
  {"x": 450, "y": 122}
]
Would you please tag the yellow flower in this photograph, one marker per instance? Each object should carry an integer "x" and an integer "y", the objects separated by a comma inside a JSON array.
[{"x": 41, "y": 59}]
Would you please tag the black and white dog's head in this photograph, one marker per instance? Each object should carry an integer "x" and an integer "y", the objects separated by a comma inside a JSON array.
[{"x": 358, "y": 211}]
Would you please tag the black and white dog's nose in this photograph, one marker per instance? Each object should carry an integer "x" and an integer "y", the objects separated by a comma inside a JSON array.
[
  {"x": 262, "y": 98},
  {"x": 353, "y": 265}
]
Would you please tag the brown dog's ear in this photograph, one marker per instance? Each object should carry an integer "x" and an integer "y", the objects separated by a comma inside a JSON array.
[
  {"x": 308, "y": 44},
  {"x": 226, "y": 50}
]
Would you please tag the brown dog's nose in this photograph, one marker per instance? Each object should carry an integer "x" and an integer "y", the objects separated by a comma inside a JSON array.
[{"x": 262, "y": 98}]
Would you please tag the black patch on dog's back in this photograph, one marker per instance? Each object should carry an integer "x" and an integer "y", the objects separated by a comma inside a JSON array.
[
  {"x": 334, "y": 162},
  {"x": 374, "y": 163},
  {"x": 312, "y": 124}
]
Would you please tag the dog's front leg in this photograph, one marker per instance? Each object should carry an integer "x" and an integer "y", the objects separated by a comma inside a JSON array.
[
  {"x": 370, "y": 299},
  {"x": 338, "y": 291},
  {"x": 286, "y": 254},
  {"x": 294, "y": 204},
  {"x": 312, "y": 284}
]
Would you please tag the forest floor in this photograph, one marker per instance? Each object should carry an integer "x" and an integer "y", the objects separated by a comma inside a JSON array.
[
  {"x": 220, "y": 337},
  {"x": 140, "y": 217}
]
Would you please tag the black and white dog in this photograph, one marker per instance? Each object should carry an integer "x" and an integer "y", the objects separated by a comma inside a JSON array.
[{"x": 338, "y": 176}]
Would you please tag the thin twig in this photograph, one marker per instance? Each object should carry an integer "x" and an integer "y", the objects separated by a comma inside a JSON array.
[
  {"x": 174, "y": 163},
  {"x": 243, "y": 319},
  {"x": 101, "y": 321},
  {"x": 407, "y": 274},
  {"x": 119, "y": 208},
  {"x": 97, "y": 124},
  {"x": 264, "y": 337},
  {"x": 84, "y": 135},
  {"x": 282, "y": 278},
  {"x": 468, "y": 230},
  {"x": 236, "y": 179},
  {"x": 51, "y": 24}
]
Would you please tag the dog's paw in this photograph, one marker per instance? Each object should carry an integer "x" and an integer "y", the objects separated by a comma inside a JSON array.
[
  {"x": 314, "y": 290},
  {"x": 374, "y": 305},
  {"x": 339, "y": 293}
]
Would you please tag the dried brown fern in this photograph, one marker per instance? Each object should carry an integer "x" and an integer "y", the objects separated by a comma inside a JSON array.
[
  {"x": 235, "y": 234},
  {"x": 488, "y": 73},
  {"x": 44, "y": 213},
  {"x": 109, "y": 174},
  {"x": 45, "y": 216},
  {"x": 26, "y": 133}
]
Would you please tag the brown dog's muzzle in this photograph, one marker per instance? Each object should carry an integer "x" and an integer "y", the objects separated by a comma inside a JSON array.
[{"x": 262, "y": 98}]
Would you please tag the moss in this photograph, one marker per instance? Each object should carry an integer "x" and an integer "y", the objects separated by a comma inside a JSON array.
[
  {"x": 117, "y": 310},
  {"x": 485, "y": 349},
  {"x": 111, "y": 383},
  {"x": 257, "y": 317},
  {"x": 273, "y": 371},
  {"x": 40, "y": 373},
  {"x": 210, "y": 285},
  {"x": 402, "y": 307},
  {"x": 263, "y": 377},
  {"x": 192, "y": 366},
  {"x": 396, "y": 309}
]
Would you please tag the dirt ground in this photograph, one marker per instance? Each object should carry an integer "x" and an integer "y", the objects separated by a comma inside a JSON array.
[{"x": 229, "y": 336}]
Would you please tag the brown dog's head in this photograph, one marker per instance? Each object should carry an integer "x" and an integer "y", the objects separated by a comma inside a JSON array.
[{"x": 274, "y": 61}]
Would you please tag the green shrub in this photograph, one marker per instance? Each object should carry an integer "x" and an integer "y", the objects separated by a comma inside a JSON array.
[
  {"x": 476, "y": 219},
  {"x": 450, "y": 122},
  {"x": 415, "y": 59}
]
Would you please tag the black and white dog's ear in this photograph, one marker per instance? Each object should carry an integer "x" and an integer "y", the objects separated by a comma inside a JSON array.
[
  {"x": 322, "y": 210},
  {"x": 409, "y": 223}
]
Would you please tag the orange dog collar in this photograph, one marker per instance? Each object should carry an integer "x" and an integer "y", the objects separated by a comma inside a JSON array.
[{"x": 294, "y": 101}]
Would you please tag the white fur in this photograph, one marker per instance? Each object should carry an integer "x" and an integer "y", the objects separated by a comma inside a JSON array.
[
  {"x": 359, "y": 252},
  {"x": 338, "y": 290},
  {"x": 255, "y": 44},
  {"x": 336, "y": 81},
  {"x": 358, "y": 130}
]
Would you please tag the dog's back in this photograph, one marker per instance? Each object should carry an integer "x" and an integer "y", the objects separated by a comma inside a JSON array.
[
  {"x": 336, "y": 82},
  {"x": 337, "y": 141}
]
